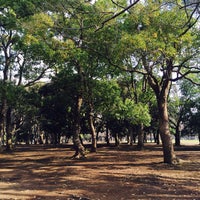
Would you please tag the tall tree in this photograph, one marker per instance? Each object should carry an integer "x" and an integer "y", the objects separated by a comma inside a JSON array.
[
  {"x": 160, "y": 49},
  {"x": 21, "y": 63}
]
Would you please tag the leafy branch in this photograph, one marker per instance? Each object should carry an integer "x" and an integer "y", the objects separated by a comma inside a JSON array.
[{"x": 117, "y": 14}]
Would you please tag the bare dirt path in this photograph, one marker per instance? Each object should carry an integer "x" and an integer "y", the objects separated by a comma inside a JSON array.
[{"x": 38, "y": 172}]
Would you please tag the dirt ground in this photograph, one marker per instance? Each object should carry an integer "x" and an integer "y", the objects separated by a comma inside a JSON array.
[{"x": 39, "y": 172}]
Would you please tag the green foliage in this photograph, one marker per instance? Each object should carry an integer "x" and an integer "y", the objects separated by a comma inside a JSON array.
[
  {"x": 157, "y": 33},
  {"x": 134, "y": 113},
  {"x": 110, "y": 103},
  {"x": 72, "y": 40}
]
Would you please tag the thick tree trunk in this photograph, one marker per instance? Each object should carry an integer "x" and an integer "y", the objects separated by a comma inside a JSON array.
[
  {"x": 168, "y": 148},
  {"x": 161, "y": 87},
  {"x": 79, "y": 148}
]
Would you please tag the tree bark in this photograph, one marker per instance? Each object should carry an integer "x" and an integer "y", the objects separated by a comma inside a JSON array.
[
  {"x": 168, "y": 148},
  {"x": 177, "y": 137},
  {"x": 8, "y": 130},
  {"x": 92, "y": 129},
  {"x": 157, "y": 137},
  {"x": 140, "y": 144},
  {"x": 178, "y": 133},
  {"x": 3, "y": 119},
  {"x": 161, "y": 88},
  {"x": 79, "y": 148},
  {"x": 132, "y": 134},
  {"x": 107, "y": 136},
  {"x": 117, "y": 142}
]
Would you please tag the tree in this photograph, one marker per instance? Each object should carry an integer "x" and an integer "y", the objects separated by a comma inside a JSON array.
[
  {"x": 135, "y": 89},
  {"x": 20, "y": 62},
  {"x": 158, "y": 48},
  {"x": 76, "y": 23},
  {"x": 190, "y": 114}
]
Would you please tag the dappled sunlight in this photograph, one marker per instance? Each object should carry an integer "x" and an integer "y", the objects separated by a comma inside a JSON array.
[{"x": 111, "y": 173}]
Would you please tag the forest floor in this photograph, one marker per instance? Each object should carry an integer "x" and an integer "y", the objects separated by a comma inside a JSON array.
[{"x": 124, "y": 173}]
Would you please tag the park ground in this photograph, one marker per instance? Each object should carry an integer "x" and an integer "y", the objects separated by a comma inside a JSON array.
[{"x": 124, "y": 173}]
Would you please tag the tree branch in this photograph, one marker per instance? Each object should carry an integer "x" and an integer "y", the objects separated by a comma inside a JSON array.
[
  {"x": 117, "y": 4},
  {"x": 116, "y": 15}
]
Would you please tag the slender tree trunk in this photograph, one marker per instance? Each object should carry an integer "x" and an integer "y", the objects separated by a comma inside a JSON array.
[
  {"x": 2, "y": 122},
  {"x": 157, "y": 137},
  {"x": 199, "y": 138},
  {"x": 177, "y": 137},
  {"x": 140, "y": 144},
  {"x": 92, "y": 129},
  {"x": 107, "y": 137},
  {"x": 117, "y": 140},
  {"x": 3, "y": 118},
  {"x": 178, "y": 134},
  {"x": 131, "y": 133},
  {"x": 88, "y": 90},
  {"x": 8, "y": 130}
]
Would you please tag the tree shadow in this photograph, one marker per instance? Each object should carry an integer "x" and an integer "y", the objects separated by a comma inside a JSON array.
[{"x": 48, "y": 173}]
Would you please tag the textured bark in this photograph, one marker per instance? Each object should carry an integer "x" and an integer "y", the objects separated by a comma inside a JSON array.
[
  {"x": 78, "y": 146},
  {"x": 140, "y": 144},
  {"x": 168, "y": 148}
]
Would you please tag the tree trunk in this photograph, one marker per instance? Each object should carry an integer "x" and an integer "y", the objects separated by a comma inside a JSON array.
[
  {"x": 117, "y": 142},
  {"x": 3, "y": 122},
  {"x": 92, "y": 129},
  {"x": 178, "y": 133},
  {"x": 168, "y": 148},
  {"x": 78, "y": 146},
  {"x": 8, "y": 130},
  {"x": 132, "y": 135},
  {"x": 140, "y": 144},
  {"x": 157, "y": 137},
  {"x": 107, "y": 137},
  {"x": 177, "y": 137},
  {"x": 199, "y": 138},
  {"x": 161, "y": 89}
]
